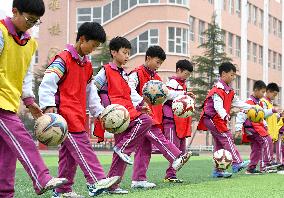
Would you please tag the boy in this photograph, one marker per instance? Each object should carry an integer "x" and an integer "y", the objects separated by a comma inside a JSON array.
[
  {"x": 65, "y": 88},
  {"x": 114, "y": 80},
  {"x": 272, "y": 91},
  {"x": 154, "y": 58},
  {"x": 177, "y": 129},
  {"x": 216, "y": 115},
  {"x": 16, "y": 51},
  {"x": 256, "y": 133}
]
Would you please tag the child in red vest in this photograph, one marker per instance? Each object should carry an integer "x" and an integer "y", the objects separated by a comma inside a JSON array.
[
  {"x": 154, "y": 58},
  {"x": 114, "y": 81},
  {"x": 17, "y": 49},
  {"x": 256, "y": 133},
  {"x": 177, "y": 129},
  {"x": 66, "y": 87},
  {"x": 216, "y": 115}
]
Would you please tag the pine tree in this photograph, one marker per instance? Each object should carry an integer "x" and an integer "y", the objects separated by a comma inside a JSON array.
[{"x": 206, "y": 65}]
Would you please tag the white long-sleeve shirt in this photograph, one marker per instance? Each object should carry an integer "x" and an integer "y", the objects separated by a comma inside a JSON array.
[{"x": 49, "y": 87}]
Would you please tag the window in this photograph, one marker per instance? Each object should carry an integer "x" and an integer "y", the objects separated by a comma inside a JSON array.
[
  {"x": 107, "y": 12},
  {"x": 248, "y": 47},
  {"x": 274, "y": 60},
  {"x": 254, "y": 15},
  {"x": 261, "y": 19},
  {"x": 248, "y": 87},
  {"x": 201, "y": 29},
  {"x": 83, "y": 15},
  {"x": 254, "y": 52},
  {"x": 115, "y": 8},
  {"x": 181, "y": 2},
  {"x": 249, "y": 12},
  {"x": 132, "y": 3},
  {"x": 211, "y": 1},
  {"x": 275, "y": 26},
  {"x": 260, "y": 55},
  {"x": 238, "y": 7},
  {"x": 97, "y": 15},
  {"x": 231, "y": 7},
  {"x": 124, "y": 5},
  {"x": 270, "y": 24},
  {"x": 238, "y": 85},
  {"x": 279, "y": 96},
  {"x": 279, "y": 62},
  {"x": 224, "y": 4},
  {"x": 279, "y": 29},
  {"x": 36, "y": 57},
  {"x": 223, "y": 37},
  {"x": 191, "y": 28},
  {"x": 230, "y": 42},
  {"x": 178, "y": 40},
  {"x": 269, "y": 58},
  {"x": 141, "y": 43},
  {"x": 238, "y": 46}
]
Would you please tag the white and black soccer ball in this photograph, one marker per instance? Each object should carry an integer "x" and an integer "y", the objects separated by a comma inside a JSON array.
[
  {"x": 222, "y": 159},
  {"x": 50, "y": 129},
  {"x": 183, "y": 106},
  {"x": 115, "y": 118},
  {"x": 155, "y": 92}
]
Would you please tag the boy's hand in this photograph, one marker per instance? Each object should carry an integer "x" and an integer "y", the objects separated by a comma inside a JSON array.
[
  {"x": 238, "y": 134},
  {"x": 35, "y": 110},
  {"x": 146, "y": 109},
  {"x": 191, "y": 95},
  {"x": 50, "y": 110}
]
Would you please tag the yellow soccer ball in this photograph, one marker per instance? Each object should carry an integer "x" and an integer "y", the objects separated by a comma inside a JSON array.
[{"x": 255, "y": 114}]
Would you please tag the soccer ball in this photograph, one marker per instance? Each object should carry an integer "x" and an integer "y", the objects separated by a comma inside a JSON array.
[
  {"x": 255, "y": 114},
  {"x": 115, "y": 118},
  {"x": 183, "y": 106},
  {"x": 155, "y": 92},
  {"x": 51, "y": 129},
  {"x": 222, "y": 159}
]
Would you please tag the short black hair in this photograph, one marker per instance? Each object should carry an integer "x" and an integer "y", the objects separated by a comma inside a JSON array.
[
  {"x": 91, "y": 31},
  {"x": 34, "y": 7},
  {"x": 156, "y": 51},
  {"x": 227, "y": 67},
  {"x": 119, "y": 42},
  {"x": 272, "y": 87},
  {"x": 184, "y": 65},
  {"x": 258, "y": 85}
]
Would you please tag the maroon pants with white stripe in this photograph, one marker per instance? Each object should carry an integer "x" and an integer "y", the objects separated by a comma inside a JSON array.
[
  {"x": 17, "y": 143},
  {"x": 143, "y": 153},
  {"x": 223, "y": 141},
  {"x": 128, "y": 141},
  {"x": 171, "y": 135},
  {"x": 77, "y": 150}
]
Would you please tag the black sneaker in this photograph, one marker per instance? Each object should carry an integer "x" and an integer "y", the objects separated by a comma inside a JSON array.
[
  {"x": 253, "y": 172},
  {"x": 173, "y": 180}
]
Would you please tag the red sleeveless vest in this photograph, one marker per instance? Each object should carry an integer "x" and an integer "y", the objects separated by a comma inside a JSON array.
[
  {"x": 220, "y": 124},
  {"x": 144, "y": 77},
  {"x": 119, "y": 91},
  {"x": 72, "y": 92},
  {"x": 183, "y": 125}
]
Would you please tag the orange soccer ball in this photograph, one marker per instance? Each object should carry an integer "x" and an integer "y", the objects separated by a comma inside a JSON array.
[{"x": 255, "y": 114}]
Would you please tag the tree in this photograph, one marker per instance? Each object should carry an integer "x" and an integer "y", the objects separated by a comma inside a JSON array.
[
  {"x": 100, "y": 58},
  {"x": 206, "y": 65}
]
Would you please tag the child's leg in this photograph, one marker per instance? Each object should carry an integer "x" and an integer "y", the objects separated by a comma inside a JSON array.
[
  {"x": 141, "y": 161},
  {"x": 67, "y": 168},
  {"x": 7, "y": 170},
  {"x": 266, "y": 152},
  {"x": 278, "y": 149},
  {"x": 224, "y": 141},
  {"x": 22, "y": 146},
  {"x": 127, "y": 142},
  {"x": 256, "y": 147},
  {"x": 80, "y": 149},
  {"x": 170, "y": 134}
]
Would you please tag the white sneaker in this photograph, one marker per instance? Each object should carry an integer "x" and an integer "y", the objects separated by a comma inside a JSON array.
[
  {"x": 142, "y": 184},
  {"x": 280, "y": 172},
  {"x": 102, "y": 185},
  {"x": 52, "y": 184},
  {"x": 123, "y": 156},
  {"x": 179, "y": 162},
  {"x": 66, "y": 195},
  {"x": 118, "y": 191}
]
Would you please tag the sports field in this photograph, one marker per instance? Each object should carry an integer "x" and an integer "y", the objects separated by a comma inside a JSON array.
[{"x": 198, "y": 182}]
